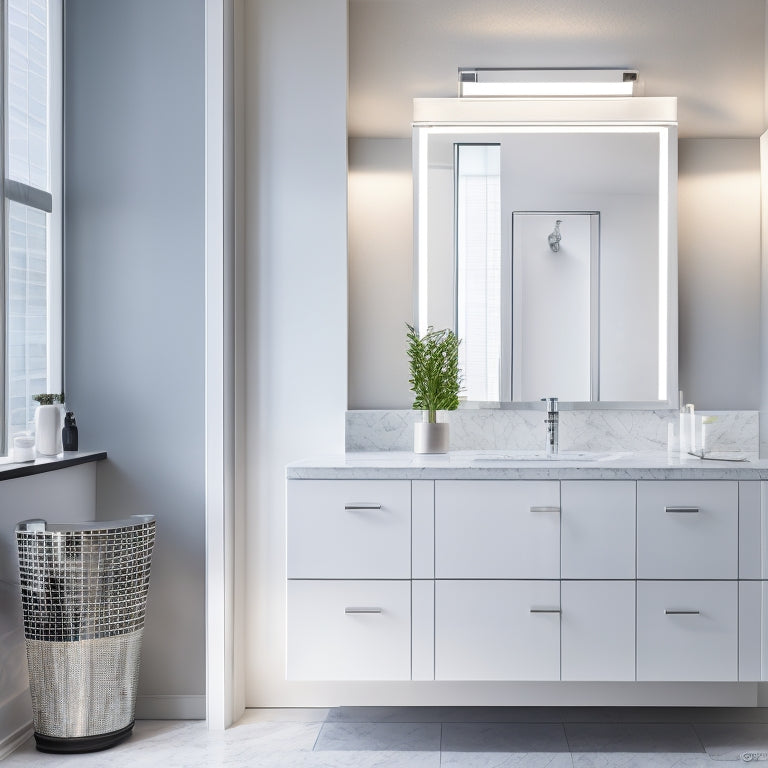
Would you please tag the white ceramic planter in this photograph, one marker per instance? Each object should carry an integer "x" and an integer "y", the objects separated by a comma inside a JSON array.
[
  {"x": 48, "y": 430},
  {"x": 430, "y": 437}
]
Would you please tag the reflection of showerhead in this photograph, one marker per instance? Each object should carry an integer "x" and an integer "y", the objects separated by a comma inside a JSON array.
[{"x": 555, "y": 237}]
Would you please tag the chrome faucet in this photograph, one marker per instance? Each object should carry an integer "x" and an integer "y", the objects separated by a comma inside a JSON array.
[{"x": 552, "y": 423}]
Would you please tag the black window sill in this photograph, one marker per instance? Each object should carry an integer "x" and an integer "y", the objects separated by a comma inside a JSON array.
[{"x": 10, "y": 469}]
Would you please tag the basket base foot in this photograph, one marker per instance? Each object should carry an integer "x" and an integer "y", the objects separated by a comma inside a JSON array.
[{"x": 74, "y": 744}]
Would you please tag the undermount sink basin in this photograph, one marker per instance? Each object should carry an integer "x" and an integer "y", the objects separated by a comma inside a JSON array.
[{"x": 511, "y": 456}]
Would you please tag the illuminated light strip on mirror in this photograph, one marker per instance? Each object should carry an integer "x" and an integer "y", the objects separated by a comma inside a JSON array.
[
  {"x": 503, "y": 83},
  {"x": 423, "y": 234},
  {"x": 662, "y": 131},
  {"x": 664, "y": 393}
]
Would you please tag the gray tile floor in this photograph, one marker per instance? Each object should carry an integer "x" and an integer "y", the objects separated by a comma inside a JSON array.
[{"x": 440, "y": 737}]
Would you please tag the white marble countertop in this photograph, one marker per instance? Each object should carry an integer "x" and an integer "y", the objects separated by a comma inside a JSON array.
[{"x": 501, "y": 465}]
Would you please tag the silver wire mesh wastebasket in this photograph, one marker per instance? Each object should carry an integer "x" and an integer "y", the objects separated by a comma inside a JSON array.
[{"x": 84, "y": 595}]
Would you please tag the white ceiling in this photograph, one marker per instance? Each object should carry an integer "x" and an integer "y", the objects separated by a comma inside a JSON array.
[{"x": 708, "y": 53}]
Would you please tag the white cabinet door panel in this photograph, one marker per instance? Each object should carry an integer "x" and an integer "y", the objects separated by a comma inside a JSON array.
[
  {"x": 497, "y": 630},
  {"x": 349, "y": 630},
  {"x": 349, "y": 529},
  {"x": 687, "y": 630},
  {"x": 598, "y": 630},
  {"x": 687, "y": 529},
  {"x": 598, "y": 529},
  {"x": 497, "y": 529}
]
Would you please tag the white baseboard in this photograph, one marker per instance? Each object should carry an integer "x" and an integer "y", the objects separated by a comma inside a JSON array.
[
  {"x": 13, "y": 741},
  {"x": 190, "y": 707}
]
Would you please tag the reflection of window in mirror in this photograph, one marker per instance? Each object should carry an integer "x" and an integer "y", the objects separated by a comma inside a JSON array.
[{"x": 478, "y": 267}]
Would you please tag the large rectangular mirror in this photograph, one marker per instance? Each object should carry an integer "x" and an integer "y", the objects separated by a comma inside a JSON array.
[{"x": 549, "y": 246}]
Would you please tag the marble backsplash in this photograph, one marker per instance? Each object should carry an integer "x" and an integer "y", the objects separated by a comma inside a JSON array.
[{"x": 580, "y": 430}]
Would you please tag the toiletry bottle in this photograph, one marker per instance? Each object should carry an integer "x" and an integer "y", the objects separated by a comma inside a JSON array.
[
  {"x": 694, "y": 443},
  {"x": 685, "y": 432},
  {"x": 69, "y": 433}
]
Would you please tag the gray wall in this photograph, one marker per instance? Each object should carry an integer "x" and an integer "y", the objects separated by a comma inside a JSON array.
[
  {"x": 134, "y": 316},
  {"x": 719, "y": 272}
]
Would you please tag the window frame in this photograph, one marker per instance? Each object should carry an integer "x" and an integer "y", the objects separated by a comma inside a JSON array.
[{"x": 50, "y": 201}]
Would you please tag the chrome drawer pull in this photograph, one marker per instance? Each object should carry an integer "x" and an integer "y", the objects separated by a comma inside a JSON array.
[
  {"x": 362, "y": 505},
  {"x": 545, "y": 509},
  {"x": 681, "y": 613},
  {"x": 545, "y": 610},
  {"x": 683, "y": 510},
  {"x": 362, "y": 610}
]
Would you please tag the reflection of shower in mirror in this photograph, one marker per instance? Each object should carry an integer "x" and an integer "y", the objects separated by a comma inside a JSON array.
[{"x": 555, "y": 237}]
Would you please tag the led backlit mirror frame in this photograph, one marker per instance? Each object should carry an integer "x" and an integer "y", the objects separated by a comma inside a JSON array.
[{"x": 479, "y": 118}]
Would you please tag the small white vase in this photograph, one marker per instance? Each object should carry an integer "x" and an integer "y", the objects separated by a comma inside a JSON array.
[
  {"x": 430, "y": 437},
  {"x": 48, "y": 430}
]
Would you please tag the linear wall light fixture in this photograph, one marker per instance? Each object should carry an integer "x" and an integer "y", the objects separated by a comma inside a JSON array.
[{"x": 501, "y": 83}]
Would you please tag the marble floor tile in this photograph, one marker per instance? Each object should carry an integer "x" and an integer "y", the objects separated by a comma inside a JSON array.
[
  {"x": 285, "y": 715},
  {"x": 387, "y": 737},
  {"x": 447, "y": 714},
  {"x": 506, "y": 760},
  {"x": 729, "y": 741},
  {"x": 437, "y": 737},
  {"x": 633, "y": 737},
  {"x": 389, "y": 714},
  {"x": 627, "y": 715},
  {"x": 728, "y": 714},
  {"x": 645, "y": 760},
  {"x": 503, "y": 737}
]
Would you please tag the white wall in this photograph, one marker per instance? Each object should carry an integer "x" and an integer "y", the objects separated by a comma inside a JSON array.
[
  {"x": 719, "y": 270},
  {"x": 135, "y": 302},
  {"x": 764, "y": 290},
  {"x": 719, "y": 287},
  {"x": 296, "y": 290},
  {"x": 380, "y": 271},
  {"x": 62, "y": 496}
]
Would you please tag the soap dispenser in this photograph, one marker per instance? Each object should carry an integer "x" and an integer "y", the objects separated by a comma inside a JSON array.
[{"x": 69, "y": 432}]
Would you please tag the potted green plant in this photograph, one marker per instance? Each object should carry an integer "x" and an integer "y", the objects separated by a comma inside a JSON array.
[
  {"x": 48, "y": 423},
  {"x": 436, "y": 382}
]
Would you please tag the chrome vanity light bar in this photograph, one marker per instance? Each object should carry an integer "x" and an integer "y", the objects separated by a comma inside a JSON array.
[{"x": 513, "y": 82}]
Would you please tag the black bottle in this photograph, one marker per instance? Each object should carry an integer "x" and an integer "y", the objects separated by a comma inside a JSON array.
[{"x": 69, "y": 433}]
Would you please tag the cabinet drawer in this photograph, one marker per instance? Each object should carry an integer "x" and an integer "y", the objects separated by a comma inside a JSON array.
[
  {"x": 687, "y": 630},
  {"x": 497, "y": 630},
  {"x": 598, "y": 529},
  {"x": 349, "y": 529},
  {"x": 489, "y": 529},
  {"x": 687, "y": 529},
  {"x": 598, "y": 630},
  {"x": 349, "y": 630}
]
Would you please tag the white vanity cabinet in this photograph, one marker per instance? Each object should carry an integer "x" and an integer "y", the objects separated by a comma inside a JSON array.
[
  {"x": 598, "y": 630},
  {"x": 349, "y": 580},
  {"x": 687, "y": 529},
  {"x": 497, "y": 529},
  {"x": 500, "y": 629},
  {"x": 468, "y": 579},
  {"x": 687, "y": 630}
]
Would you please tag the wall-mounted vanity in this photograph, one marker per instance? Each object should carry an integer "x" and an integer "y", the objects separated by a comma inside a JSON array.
[{"x": 593, "y": 319}]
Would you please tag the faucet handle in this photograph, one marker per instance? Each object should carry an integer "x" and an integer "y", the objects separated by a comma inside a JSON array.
[{"x": 551, "y": 404}]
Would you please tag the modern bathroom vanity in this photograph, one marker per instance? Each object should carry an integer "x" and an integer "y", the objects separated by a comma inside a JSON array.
[{"x": 467, "y": 567}]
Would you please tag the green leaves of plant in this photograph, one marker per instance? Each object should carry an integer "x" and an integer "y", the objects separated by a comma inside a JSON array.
[
  {"x": 435, "y": 376},
  {"x": 49, "y": 398}
]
